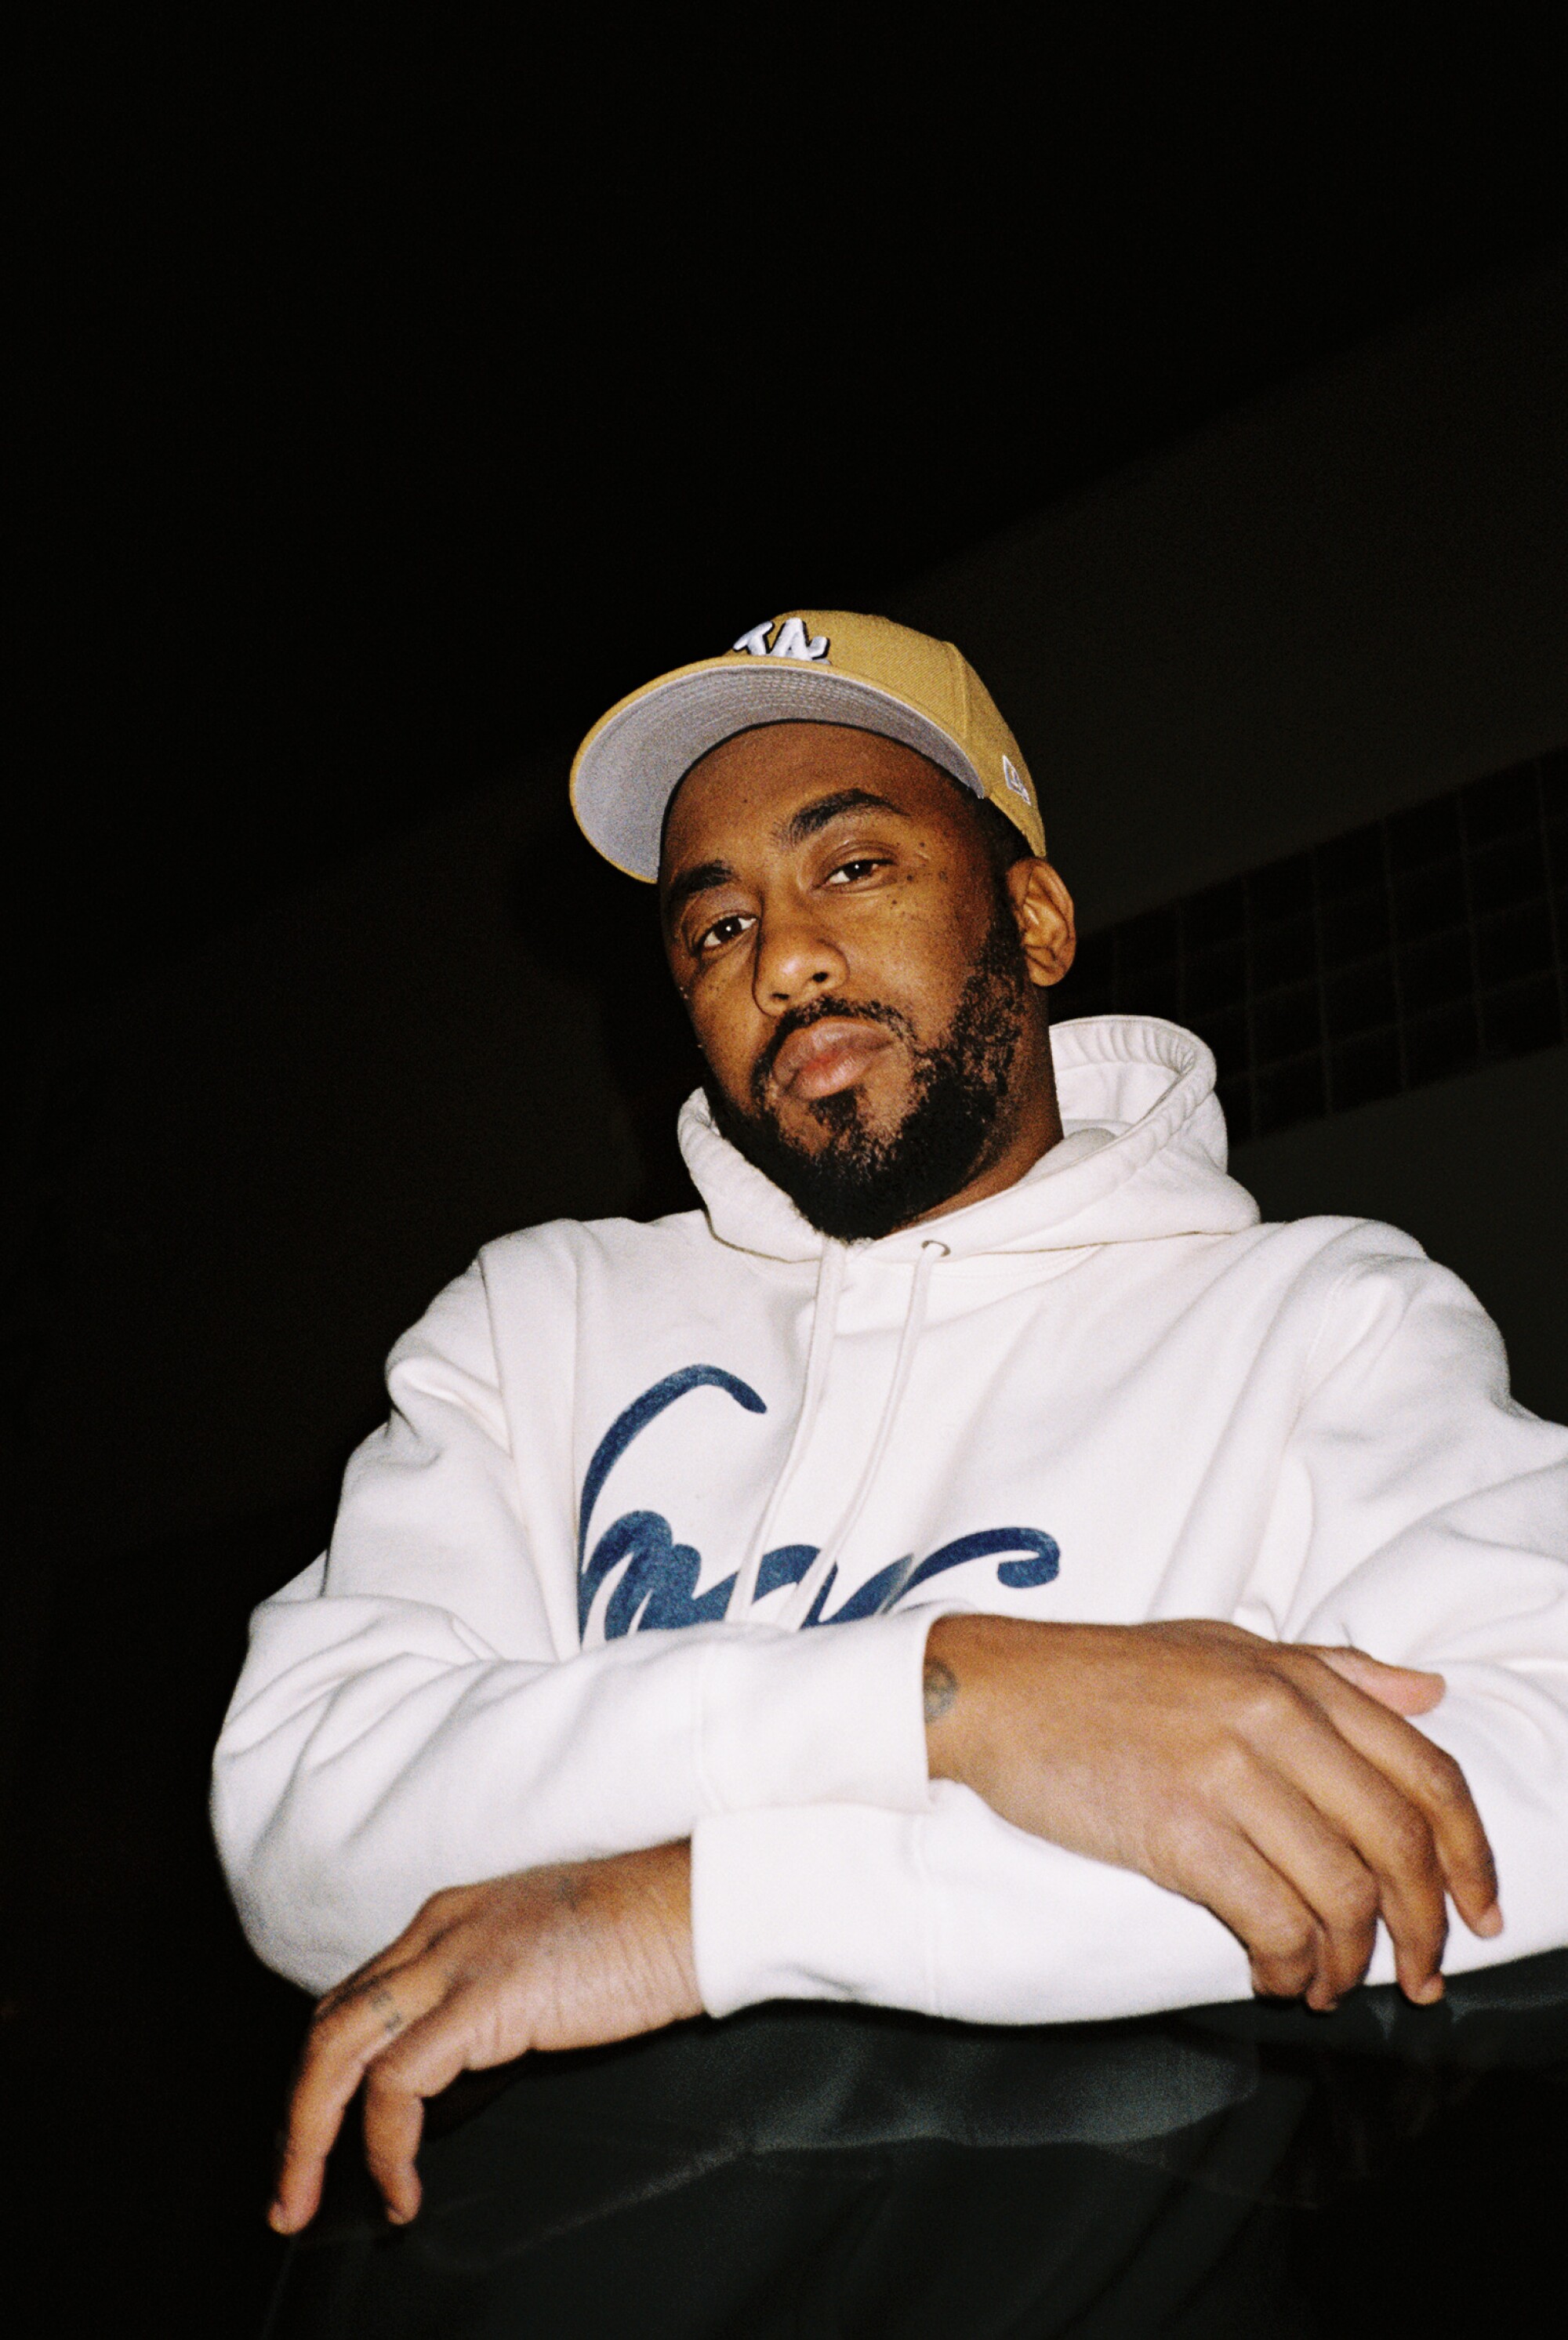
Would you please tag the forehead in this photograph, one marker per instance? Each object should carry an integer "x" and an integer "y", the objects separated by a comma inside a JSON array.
[{"x": 741, "y": 793}]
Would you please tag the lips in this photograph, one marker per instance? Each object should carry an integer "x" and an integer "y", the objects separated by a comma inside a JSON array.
[{"x": 827, "y": 1057}]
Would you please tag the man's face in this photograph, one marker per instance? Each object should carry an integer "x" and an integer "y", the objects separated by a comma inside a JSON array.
[{"x": 853, "y": 968}]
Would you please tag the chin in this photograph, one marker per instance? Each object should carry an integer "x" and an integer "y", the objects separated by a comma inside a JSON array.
[
  {"x": 815, "y": 1126},
  {"x": 880, "y": 1103}
]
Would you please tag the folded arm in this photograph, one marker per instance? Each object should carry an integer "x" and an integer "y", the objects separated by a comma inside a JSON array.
[
  {"x": 1420, "y": 1516},
  {"x": 417, "y": 1710},
  {"x": 1258, "y": 1782}
]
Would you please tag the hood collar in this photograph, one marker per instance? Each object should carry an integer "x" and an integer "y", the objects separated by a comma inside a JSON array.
[{"x": 1144, "y": 1154}]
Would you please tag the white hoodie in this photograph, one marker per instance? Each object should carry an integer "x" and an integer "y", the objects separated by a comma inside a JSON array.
[{"x": 564, "y": 1608}]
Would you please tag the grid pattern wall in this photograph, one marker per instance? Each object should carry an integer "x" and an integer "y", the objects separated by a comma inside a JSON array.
[{"x": 1421, "y": 946}]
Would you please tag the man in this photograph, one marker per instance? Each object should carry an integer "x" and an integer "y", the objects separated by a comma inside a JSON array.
[{"x": 1199, "y": 1608}]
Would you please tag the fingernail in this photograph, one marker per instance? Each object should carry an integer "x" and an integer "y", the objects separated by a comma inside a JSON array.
[
  {"x": 1428, "y": 1993},
  {"x": 1490, "y": 1922}
]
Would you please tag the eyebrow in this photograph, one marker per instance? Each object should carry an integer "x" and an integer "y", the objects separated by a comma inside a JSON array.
[
  {"x": 695, "y": 881},
  {"x": 805, "y": 824},
  {"x": 799, "y": 829}
]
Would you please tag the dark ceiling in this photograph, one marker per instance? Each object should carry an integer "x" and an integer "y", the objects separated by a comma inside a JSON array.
[{"x": 399, "y": 403}]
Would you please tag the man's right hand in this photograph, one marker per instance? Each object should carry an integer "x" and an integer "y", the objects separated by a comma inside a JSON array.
[{"x": 1278, "y": 1785}]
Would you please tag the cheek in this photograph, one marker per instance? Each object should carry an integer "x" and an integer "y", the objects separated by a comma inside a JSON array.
[
  {"x": 919, "y": 952},
  {"x": 723, "y": 1018}
]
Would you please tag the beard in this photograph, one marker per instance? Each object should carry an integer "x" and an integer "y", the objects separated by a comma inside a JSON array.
[{"x": 861, "y": 1184}]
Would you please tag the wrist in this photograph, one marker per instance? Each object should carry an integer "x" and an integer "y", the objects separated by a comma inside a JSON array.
[
  {"x": 982, "y": 1682},
  {"x": 667, "y": 1878},
  {"x": 953, "y": 1693}
]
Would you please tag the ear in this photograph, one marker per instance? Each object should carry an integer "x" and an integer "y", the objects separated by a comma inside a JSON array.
[{"x": 1044, "y": 910}]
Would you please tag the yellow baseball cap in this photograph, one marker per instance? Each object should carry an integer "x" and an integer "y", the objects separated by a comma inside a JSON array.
[{"x": 809, "y": 665}]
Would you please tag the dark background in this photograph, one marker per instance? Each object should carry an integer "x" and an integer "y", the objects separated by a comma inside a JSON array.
[{"x": 396, "y": 398}]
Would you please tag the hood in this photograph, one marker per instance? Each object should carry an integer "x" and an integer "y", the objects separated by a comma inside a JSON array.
[{"x": 1143, "y": 1155}]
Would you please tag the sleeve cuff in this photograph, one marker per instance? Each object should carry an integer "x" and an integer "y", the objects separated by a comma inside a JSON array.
[
  {"x": 948, "y": 1912},
  {"x": 828, "y": 1902},
  {"x": 830, "y": 1716}
]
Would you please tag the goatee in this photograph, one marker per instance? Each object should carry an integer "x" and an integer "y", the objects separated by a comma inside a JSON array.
[{"x": 861, "y": 1185}]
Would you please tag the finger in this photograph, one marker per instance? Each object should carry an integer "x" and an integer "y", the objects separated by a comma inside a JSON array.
[
  {"x": 1404, "y": 1689},
  {"x": 1381, "y": 1825},
  {"x": 433, "y": 1919},
  {"x": 1434, "y": 1781},
  {"x": 1322, "y": 1867},
  {"x": 426, "y": 2060},
  {"x": 394, "y": 2124},
  {"x": 1268, "y": 1917},
  {"x": 342, "y": 2043}
]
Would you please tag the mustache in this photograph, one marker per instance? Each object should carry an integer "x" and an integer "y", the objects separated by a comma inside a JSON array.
[{"x": 800, "y": 1019}]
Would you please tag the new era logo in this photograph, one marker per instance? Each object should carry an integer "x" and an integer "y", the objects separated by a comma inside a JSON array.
[
  {"x": 1019, "y": 787},
  {"x": 790, "y": 643}
]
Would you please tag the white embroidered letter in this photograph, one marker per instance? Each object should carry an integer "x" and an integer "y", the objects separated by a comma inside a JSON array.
[
  {"x": 792, "y": 643},
  {"x": 756, "y": 641}
]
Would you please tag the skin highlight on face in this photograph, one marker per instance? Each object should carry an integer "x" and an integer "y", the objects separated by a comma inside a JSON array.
[{"x": 866, "y": 983}]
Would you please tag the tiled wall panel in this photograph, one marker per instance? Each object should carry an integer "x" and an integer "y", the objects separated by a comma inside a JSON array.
[{"x": 1419, "y": 945}]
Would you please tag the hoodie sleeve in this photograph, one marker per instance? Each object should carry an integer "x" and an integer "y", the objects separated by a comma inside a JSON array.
[
  {"x": 1421, "y": 1514},
  {"x": 415, "y": 1711}
]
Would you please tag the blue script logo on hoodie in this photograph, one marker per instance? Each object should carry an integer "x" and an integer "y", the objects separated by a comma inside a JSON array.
[{"x": 658, "y": 1586}]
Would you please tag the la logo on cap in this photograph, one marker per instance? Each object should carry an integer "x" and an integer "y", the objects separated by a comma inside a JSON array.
[{"x": 791, "y": 641}]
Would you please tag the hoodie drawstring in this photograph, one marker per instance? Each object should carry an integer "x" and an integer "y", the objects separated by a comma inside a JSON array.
[
  {"x": 800, "y": 1603},
  {"x": 824, "y": 1324}
]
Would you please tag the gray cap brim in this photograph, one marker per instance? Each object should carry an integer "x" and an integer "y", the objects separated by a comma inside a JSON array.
[{"x": 632, "y": 763}]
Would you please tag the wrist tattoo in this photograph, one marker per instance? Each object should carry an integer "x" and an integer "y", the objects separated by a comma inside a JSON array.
[{"x": 941, "y": 1688}]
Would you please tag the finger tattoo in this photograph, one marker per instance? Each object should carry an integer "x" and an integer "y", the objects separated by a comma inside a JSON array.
[{"x": 387, "y": 2008}]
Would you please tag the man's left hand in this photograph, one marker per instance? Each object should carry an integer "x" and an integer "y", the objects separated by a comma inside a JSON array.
[{"x": 567, "y": 1956}]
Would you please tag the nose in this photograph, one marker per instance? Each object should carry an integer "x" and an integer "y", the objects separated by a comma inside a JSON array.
[{"x": 794, "y": 962}]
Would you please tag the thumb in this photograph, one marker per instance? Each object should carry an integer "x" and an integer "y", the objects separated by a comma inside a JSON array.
[{"x": 1404, "y": 1689}]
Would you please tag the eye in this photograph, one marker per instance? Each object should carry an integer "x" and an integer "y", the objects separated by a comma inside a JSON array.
[
  {"x": 848, "y": 872},
  {"x": 723, "y": 930}
]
